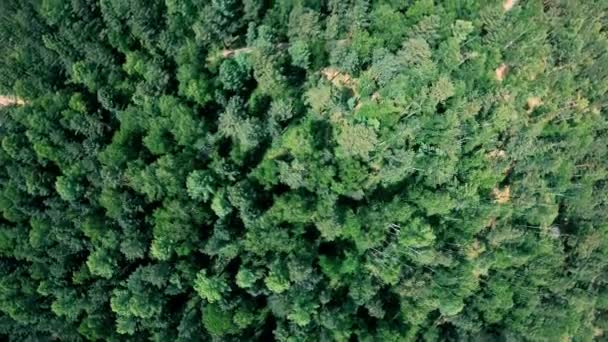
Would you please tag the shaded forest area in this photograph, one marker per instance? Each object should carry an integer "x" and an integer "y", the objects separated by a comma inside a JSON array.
[{"x": 304, "y": 170}]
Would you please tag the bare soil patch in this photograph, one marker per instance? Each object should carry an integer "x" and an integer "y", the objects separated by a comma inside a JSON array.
[
  {"x": 10, "y": 100},
  {"x": 501, "y": 72},
  {"x": 508, "y": 5},
  {"x": 502, "y": 196}
]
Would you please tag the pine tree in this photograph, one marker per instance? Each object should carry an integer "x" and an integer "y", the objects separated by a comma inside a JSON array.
[{"x": 303, "y": 170}]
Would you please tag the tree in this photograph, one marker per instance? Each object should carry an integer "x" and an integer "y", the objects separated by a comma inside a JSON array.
[
  {"x": 234, "y": 73},
  {"x": 303, "y": 170}
]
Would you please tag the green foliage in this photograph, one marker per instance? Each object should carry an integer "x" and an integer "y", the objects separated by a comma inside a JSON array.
[
  {"x": 217, "y": 321},
  {"x": 201, "y": 185},
  {"x": 303, "y": 170},
  {"x": 234, "y": 73},
  {"x": 210, "y": 289}
]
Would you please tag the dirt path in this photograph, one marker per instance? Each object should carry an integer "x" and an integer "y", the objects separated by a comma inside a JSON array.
[{"x": 9, "y": 100}]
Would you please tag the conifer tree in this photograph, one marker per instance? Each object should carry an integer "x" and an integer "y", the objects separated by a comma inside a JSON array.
[{"x": 303, "y": 170}]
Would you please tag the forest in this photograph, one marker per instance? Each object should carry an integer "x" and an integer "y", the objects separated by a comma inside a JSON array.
[{"x": 304, "y": 170}]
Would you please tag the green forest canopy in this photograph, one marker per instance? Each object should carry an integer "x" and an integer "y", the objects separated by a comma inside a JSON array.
[{"x": 304, "y": 170}]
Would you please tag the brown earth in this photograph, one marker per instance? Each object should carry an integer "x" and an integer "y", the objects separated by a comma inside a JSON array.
[
  {"x": 533, "y": 102},
  {"x": 501, "y": 72},
  {"x": 508, "y": 5},
  {"x": 10, "y": 100},
  {"x": 502, "y": 196}
]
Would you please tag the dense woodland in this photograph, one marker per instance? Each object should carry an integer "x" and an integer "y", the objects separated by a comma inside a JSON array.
[{"x": 304, "y": 170}]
